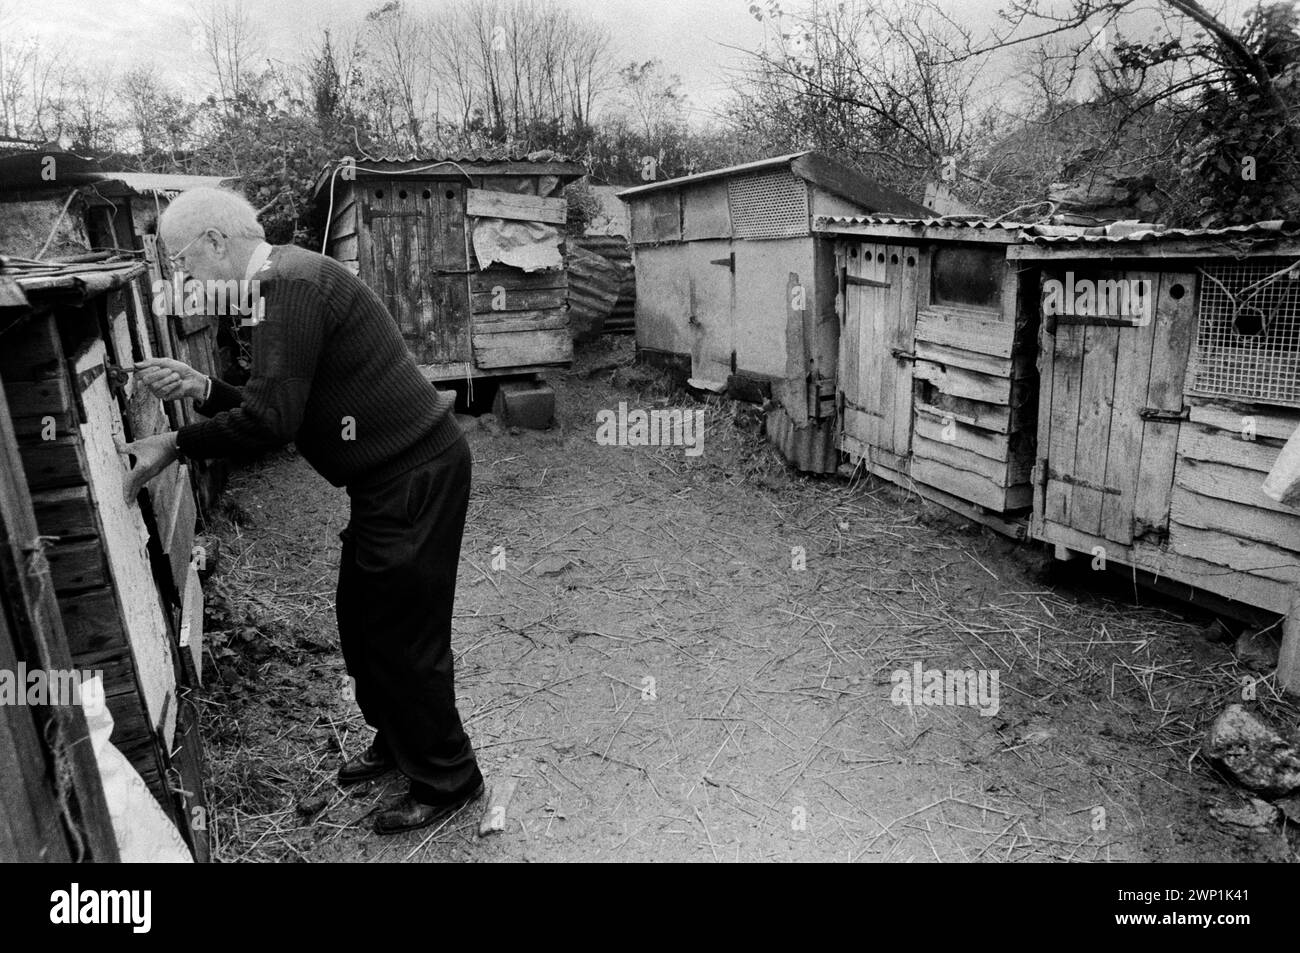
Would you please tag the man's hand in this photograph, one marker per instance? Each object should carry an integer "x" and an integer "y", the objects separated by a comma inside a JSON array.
[
  {"x": 170, "y": 380},
  {"x": 152, "y": 455}
]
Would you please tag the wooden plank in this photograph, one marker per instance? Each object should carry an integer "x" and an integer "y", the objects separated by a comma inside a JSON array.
[
  {"x": 1224, "y": 482},
  {"x": 970, "y": 486},
  {"x": 1244, "y": 556},
  {"x": 1132, "y": 377},
  {"x": 959, "y": 458},
  {"x": 992, "y": 417},
  {"x": 514, "y": 280},
  {"x": 1288, "y": 661},
  {"x": 1201, "y": 442},
  {"x": 53, "y": 463},
  {"x": 1197, "y": 574},
  {"x": 191, "y": 631},
  {"x": 36, "y": 398},
  {"x": 77, "y": 565},
  {"x": 31, "y": 351},
  {"x": 935, "y": 426},
  {"x": 178, "y": 544},
  {"x": 526, "y": 299},
  {"x": 970, "y": 385},
  {"x": 483, "y": 203},
  {"x": 906, "y": 303},
  {"x": 1276, "y": 422},
  {"x": 1175, "y": 327},
  {"x": 45, "y": 427},
  {"x": 91, "y": 621},
  {"x": 1067, "y": 381},
  {"x": 1237, "y": 519},
  {"x": 1046, "y": 403},
  {"x": 1096, "y": 399},
  {"x": 519, "y": 348},
  {"x": 126, "y": 542},
  {"x": 969, "y": 360},
  {"x": 65, "y": 512},
  {"x": 967, "y": 329},
  {"x": 34, "y": 631}
]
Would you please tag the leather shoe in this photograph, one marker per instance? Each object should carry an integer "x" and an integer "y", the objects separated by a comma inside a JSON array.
[
  {"x": 408, "y": 814},
  {"x": 371, "y": 763}
]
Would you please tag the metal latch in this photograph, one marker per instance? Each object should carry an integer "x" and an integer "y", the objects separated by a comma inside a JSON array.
[
  {"x": 1170, "y": 416},
  {"x": 867, "y": 282},
  {"x": 729, "y": 261}
]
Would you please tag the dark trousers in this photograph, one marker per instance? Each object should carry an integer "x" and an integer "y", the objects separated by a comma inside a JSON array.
[{"x": 397, "y": 582}]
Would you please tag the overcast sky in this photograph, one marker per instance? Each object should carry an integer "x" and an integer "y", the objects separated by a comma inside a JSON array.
[{"x": 690, "y": 36}]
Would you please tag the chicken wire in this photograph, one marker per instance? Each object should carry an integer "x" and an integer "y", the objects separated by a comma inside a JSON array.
[
  {"x": 1263, "y": 363},
  {"x": 768, "y": 205}
]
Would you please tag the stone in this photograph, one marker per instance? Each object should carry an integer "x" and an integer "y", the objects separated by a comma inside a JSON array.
[{"x": 1256, "y": 755}]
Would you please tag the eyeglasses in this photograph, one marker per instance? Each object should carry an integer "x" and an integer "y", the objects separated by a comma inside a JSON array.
[{"x": 173, "y": 259}]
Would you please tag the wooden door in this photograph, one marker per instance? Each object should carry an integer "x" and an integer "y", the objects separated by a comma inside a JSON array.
[
  {"x": 1111, "y": 406},
  {"x": 876, "y": 353},
  {"x": 418, "y": 264},
  {"x": 712, "y": 314}
]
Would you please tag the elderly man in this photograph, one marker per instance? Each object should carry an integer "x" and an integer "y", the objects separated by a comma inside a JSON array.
[{"x": 331, "y": 373}]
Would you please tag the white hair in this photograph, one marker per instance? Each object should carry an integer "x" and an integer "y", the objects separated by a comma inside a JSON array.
[{"x": 196, "y": 210}]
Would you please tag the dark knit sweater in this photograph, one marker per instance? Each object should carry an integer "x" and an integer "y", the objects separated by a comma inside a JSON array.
[{"x": 331, "y": 373}]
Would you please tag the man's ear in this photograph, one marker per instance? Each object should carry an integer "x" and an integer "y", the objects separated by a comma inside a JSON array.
[{"x": 220, "y": 244}]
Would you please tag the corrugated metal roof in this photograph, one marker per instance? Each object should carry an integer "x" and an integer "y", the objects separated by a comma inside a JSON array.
[
  {"x": 469, "y": 155},
  {"x": 746, "y": 167},
  {"x": 1273, "y": 229},
  {"x": 828, "y": 222},
  {"x": 167, "y": 185}
]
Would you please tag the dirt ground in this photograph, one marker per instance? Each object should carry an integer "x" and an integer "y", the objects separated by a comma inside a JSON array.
[{"x": 662, "y": 684}]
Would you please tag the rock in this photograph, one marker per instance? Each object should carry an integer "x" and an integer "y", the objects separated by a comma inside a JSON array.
[
  {"x": 1290, "y": 806},
  {"x": 1256, "y": 755},
  {"x": 1255, "y": 815},
  {"x": 1257, "y": 650},
  {"x": 312, "y": 805}
]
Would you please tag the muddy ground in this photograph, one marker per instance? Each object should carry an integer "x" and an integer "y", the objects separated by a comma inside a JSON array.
[{"x": 663, "y": 684}]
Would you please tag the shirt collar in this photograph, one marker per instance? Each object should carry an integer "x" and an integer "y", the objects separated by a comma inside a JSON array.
[{"x": 258, "y": 260}]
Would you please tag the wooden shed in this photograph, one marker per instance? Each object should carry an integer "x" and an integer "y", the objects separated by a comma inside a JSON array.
[
  {"x": 937, "y": 384},
  {"x": 1158, "y": 423},
  {"x": 121, "y": 572},
  {"x": 731, "y": 278},
  {"x": 62, "y": 205},
  {"x": 464, "y": 250}
]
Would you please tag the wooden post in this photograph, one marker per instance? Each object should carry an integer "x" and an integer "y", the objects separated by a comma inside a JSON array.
[{"x": 1288, "y": 660}]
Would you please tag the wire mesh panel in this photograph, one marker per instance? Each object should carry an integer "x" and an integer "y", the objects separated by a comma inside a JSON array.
[
  {"x": 768, "y": 205},
  {"x": 1248, "y": 333}
]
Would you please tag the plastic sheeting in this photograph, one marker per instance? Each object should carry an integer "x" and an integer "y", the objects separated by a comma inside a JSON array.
[
  {"x": 145, "y": 834},
  {"x": 529, "y": 246}
]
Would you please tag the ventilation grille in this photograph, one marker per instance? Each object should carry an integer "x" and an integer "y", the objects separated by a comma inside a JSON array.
[
  {"x": 768, "y": 205},
  {"x": 1248, "y": 334}
]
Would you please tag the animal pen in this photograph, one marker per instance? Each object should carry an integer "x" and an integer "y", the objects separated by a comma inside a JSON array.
[
  {"x": 936, "y": 382},
  {"x": 732, "y": 281},
  {"x": 61, "y": 205},
  {"x": 111, "y": 585},
  {"x": 465, "y": 253},
  {"x": 1159, "y": 422}
]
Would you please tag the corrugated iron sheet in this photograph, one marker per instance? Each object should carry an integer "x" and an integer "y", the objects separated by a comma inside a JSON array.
[
  {"x": 743, "y": 168},
  {"x": 1273, "y": 229},
  {"x": 594, "y": 284},
  {"x": 166, "y": 185},
  {"x": 828, "y": 222}
]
